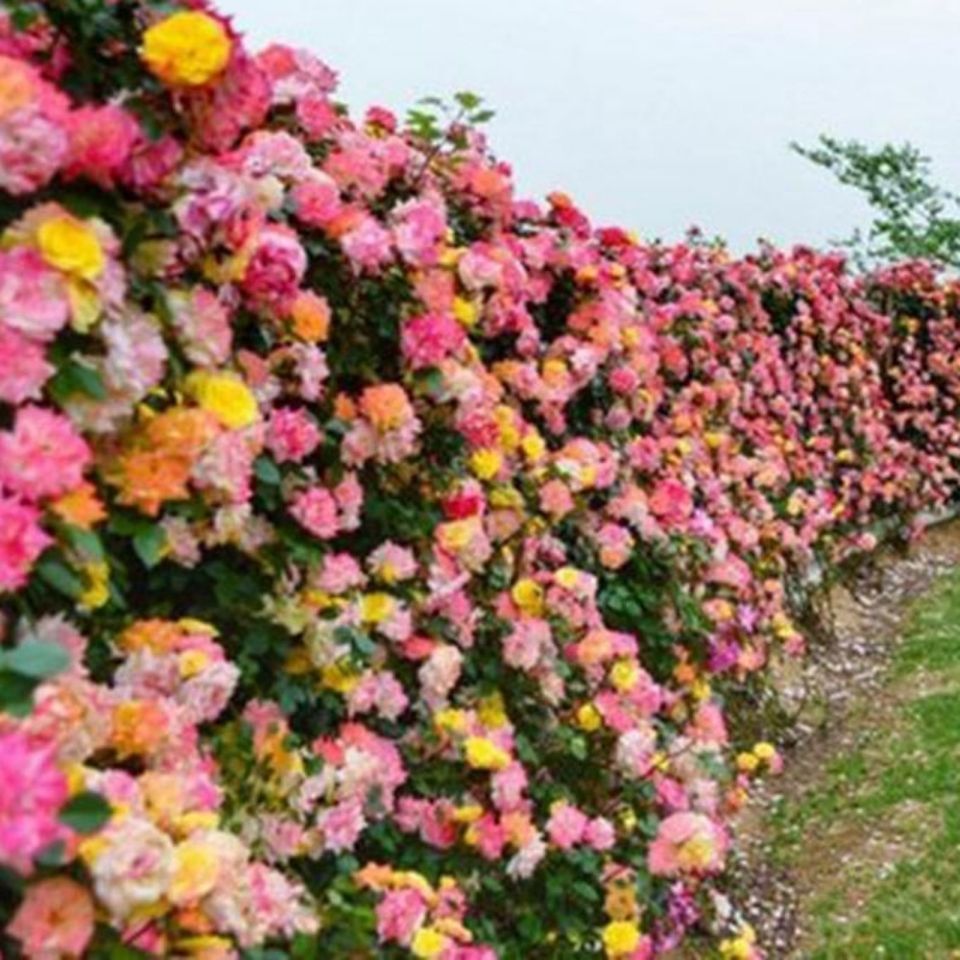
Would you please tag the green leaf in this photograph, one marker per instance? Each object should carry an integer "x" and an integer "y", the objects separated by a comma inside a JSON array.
[
  {"x": 74, "y": 377},
  {"x": 149, "y": 543},
  {"x": 16, "y": 693},
  {"x": 86, "y": 812},
  {"x": 55, "y": 573},
  {"x": 37, "y": 659},
  {"x": 267, "y": 471}
]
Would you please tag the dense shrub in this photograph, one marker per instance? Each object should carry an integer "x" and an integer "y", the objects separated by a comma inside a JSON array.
[{"x": 376, "y": 548}]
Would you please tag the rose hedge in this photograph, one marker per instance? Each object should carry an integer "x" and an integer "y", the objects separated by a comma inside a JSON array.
[{"x": 377, "y": 549}]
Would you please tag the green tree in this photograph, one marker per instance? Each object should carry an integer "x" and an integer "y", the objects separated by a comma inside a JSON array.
[{"x": 913, "y": 216}]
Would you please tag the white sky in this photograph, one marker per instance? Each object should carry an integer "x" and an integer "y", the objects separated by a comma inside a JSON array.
[{"x": 658, "y": 115}]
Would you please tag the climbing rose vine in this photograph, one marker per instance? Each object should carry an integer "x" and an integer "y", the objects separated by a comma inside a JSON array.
[{"x": 378, "y": 550}]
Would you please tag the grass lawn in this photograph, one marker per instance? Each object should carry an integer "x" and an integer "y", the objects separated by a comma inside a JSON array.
[{"x": 878, "y": 836}]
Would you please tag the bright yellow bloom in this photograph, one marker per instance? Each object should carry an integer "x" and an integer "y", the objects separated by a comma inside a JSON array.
[
  {"x": 188, "y": 49},
  {"x": 527, "y": 594},
  {"x": 450, "y": 720},
  {"x": 192, "y": 662},
  {"x": 747, "y": 762},
  {"x": 468, "y": 814},
  {"x": 70, "y": 245},
  {"x": 589, "y": 718},
  {"x": 486, "y": 464},
  {"x": 533, "y": 446},
  {"x": 340, "y": 677},
  {"x": 492, "y": 713},
  {"x": 764, "y": 750},
  {"x": 97, "y": 591},
  {"x": 227, "y": 397},
  {"x": 376, "y": 607},
  {"x": 482, "y": 754},
  {"x": 464, "y": 311},
  {"x": 620, "y": 938},
  {"x": 195, "y": 872},
  {"x": 428, "y": 943},
  {"x": 624, "y": 675}
]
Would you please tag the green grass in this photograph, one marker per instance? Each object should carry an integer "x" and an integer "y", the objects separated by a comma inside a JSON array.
[{"x": 877, "y": 837}]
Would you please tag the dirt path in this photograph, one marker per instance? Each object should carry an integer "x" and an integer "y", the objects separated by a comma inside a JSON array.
[{"x": 809, "y": 838}]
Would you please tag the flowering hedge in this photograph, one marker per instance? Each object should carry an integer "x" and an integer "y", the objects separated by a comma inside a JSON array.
[{"x": 377, "y": 549}]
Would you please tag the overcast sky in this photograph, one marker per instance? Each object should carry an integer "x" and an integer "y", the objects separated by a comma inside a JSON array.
[{"x": 658, "y": 115}]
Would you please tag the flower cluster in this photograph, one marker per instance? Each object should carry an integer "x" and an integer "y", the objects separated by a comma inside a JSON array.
[{"x": 382, "y": 548}]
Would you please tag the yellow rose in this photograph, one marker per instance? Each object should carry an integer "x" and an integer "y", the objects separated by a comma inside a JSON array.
[
  {"x": 492, "y": 713},
  {"x": 764, "y": 750},
  {"x": 376, "y": 607},
  {"x": 428, "y": 943},
  {"x": 482, "y": 754},
  {"x": 747, "y": 762},
  {"x": 187, "y": 49},
  {"x": 620, "y": 938},
  {"x": 468, "y": 814},
  {"x": 464, "y": 311},
  {"x": 624, "y": 675},
  {"x": 192, "y": 662},
  {"x": 340, "y": 677},
  {"x": 533, "y": 446},
  {"x": 97, "y": 590},
  {"x": 225, "y": 396},
  {"x": 71, "y": 246},
  {"x": 527, "y": 594},
  {"x": 486, "y": 464},
  {"x": 195, "y": 872},
  {"x": 450, "y": 720},
  {"x": 588, "y": 718}
]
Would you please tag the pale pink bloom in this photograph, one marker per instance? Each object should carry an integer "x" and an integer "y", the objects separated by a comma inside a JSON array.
[
  {"x": 526, "y": 642},
  {"x": 556, "y": 499},
  {"x": 368, "y": 245},
  {"x": 342, "y": 825},
  {"x": 42, "y": 456},
  {"x": 687, "y": 843},
  {"x": 316, "y": 511},
  {"x": 349, "y": 496},
  {"x": 600, "y": 834},
  {"x": 399, "y": 915},
  {"x": 566, "y": 825},
  {"x": 439, "y": 674},
  {"x": 33, "y": 298},
  {"x": 226, "y": 466},
  {"x": 23, "y": 367},
  {"x": 203, "y": 325},
  {"x": 418, "y": 231},
  {"x": 136, "y": 867},
  {"x": 295, "y": 73},
  {"x": 292, "y": 435},
  {"x": 316, "y": 201},
  {"x": 55, "y": 920},
  {"x": 273, "y": 153},
  {"x": 22, "y": 540},
  {"x": 33, "y": 135},
  {"x": 616, "y": 545},
  {"x": 340, "y": 572},
  {"x": 525, "y": 861},
  {"x": 392, "y": 563}
]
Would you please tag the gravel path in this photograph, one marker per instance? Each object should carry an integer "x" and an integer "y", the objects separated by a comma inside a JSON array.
[{"x": 828, "y": 692}]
